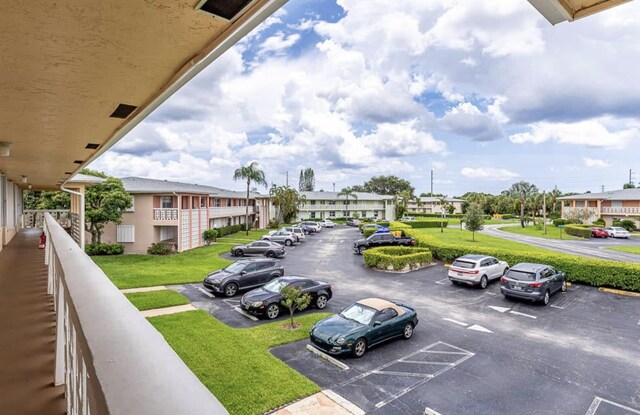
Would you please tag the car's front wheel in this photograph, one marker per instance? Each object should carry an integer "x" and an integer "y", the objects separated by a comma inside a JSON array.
[
  {"x": 231, "y": 289},
  {"x": 288, "y": 242},
  {"x": 360, "y": 249},
  {"x": 273, "y": 311},
  {"x": 408, "y": 331},
  {"x": 359, "y": 347},
  {"x": 238, "y": 252},
  {"x": 321, "y": 301},
  {"x": 270, "y": 254}
]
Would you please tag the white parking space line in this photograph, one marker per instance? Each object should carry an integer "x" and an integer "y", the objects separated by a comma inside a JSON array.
[
  {"x": 429, "y": 411},
  {"x": 488, "y": 293},
  {"x": 205, "y": 292},
  {"x": 456, "y": 322},
  {"x": 479, "y": 328},
  {"x": 442, "y": 281},
  {"x": 247, "y": 315},
  {"x": 593, "y": 409},
  {"x": 522, "y": 314},
  {"x": 499, "y": 309},
  {"x": 232, "y": 303}
]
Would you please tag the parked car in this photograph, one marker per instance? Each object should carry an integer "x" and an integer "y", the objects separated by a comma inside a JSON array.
[
  {"x": 267, "y": 248},
  {"x": 370, "y": 226},
  {"x": 327, "y": 223},
  {"x": 477, "y": 270},
  {"x": 353, "y": 222},
  {"x": 265, "y": 301},
  {"x": 313, "y": 225},
  {"x": 243, "y": 274},
  {"x": 296, "y": 230},
  {"x": 599, "y": 233},
  {"x": 535, "y": 282},
  {"x": 281, "y": 237},
  {"x": 618, "y": 232},
  {"x": 407, "y": 219},
  {"x": 363, "y": 325},
  {"x": 307, "y": 230},
  {"x": 382, "y": 239}
]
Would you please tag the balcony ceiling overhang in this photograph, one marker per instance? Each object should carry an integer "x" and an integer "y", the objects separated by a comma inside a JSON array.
[
  {"x": 557, "y": 11},
  {"x": 66, "y": 66}
]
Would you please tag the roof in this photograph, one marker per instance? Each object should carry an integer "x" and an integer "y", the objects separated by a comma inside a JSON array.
[
  {"x": 142, "y": 185},
  {"x": 557, "y": 11},
  {"x": 380, "y": 304},
  {"x": 86, "y": 179},
  {"x": 437, "y": 200},
  {"x": 622, "y": 194},
  {"x": 335, "y": 196},
  {"x": 473, "y": 257},
  {"x": 528, "y": 267}
]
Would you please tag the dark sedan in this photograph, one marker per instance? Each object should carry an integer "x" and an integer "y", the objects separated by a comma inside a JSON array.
[
  {"x": 242, "y": 275},
  {"x": 265, "y": 301},
  {"x": 535, "y": 282},
  {"x": 267, "y": 248},
  {"x": 362, "y": 325}
]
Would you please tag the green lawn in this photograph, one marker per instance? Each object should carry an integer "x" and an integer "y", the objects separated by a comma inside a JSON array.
[
  {"x": 552, "y": 232},
  {"x": 456, "y": 221},
  {"x": 134, "y": 271},
  {"x": 235, "y": 364},
  {"x": 630, "y": 249},
  {"x": 156, "y": 299}
]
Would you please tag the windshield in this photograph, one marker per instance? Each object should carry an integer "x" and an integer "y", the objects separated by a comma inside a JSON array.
[
  {"x": 521, "y": 275},
  {"x": 236, "y": 267},
  {"x": 275, "y": 286},
  {"x": 463, "y": 264},
  {"x": 358, "y": 312}
]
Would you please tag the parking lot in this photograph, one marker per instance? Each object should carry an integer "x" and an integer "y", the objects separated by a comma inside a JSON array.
[{"x": 473, "y": 352}]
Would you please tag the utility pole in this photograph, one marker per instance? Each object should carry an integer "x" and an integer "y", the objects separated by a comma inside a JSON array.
[
  {"x": 544, "y": 211},
  {"x": 431, "y": 182},
  {"x": 631, "y": 175},
  {"x": 287, "y": 179},
  {"x": 602, "y": 188},
  {"x": 334, "y": 187}
]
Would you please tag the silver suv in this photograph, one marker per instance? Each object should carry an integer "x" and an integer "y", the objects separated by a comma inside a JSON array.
[
  {"x": 281, "y": 237},
  {"x": 477, "y": 270}
]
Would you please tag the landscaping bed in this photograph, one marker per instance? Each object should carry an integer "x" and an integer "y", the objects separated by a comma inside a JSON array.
[
  {"x": 552, "y": 232},
  {"x": 397, "y": 258},
  {"x": 235, "y": 364},
  {"x": 150, "y": 300}
]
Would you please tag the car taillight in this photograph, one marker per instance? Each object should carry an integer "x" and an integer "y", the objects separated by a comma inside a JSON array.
[
  {"x": 503, "y": 279},
  {"x": 535, "y": 284},
  {"x": 474, "y": 272}
]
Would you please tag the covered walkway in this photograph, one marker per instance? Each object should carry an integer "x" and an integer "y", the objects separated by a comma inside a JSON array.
[{"x": 27, "y": 331}]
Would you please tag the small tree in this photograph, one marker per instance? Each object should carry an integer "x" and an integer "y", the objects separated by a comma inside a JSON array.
[
  {"x": 474, "y": 219},
  {"x": 444, "y": 207},
  {"x": 293, "y": 300},
  {"x": 348, "y": 192},
  {"x": 210, "y": 236}
]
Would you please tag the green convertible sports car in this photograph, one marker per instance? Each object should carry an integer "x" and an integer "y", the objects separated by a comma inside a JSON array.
[{"x": 363, "y": 324}]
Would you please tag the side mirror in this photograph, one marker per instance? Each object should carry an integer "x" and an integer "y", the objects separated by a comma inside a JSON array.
[
  {"x": 243, "y": 273},
  {"x": 376, "y": 323}
]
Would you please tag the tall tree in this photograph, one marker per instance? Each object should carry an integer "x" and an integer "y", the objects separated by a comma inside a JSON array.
[
  {"x": 348, "y": 192},
  {"x": 629, "y": 185},
  {"x": 402, "y": 201},
  {"x": 386, "y": 185},
  {"x": 104, "y": 202},
  {"x": 444, "y": 207},
  {"x": 301, "y": 183},
  {"x": 474, "y": 219},
  {"x": 307, "y": 181},
  {"x": 287, "y": 202},
  {"x": 522, "y": 191},
  {"x": 252, "y": 174}
]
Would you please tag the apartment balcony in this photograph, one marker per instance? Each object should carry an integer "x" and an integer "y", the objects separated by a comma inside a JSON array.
[
  {"x": 166, "y": 215},
  {"x": 341, "y": 207},
  {"x": 229, "y": 211},
  {"x": 66, "y": 324},
  {"x": 621, "y": 210}
]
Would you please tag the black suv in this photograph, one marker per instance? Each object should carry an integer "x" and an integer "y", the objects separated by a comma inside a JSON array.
[{"x": 242, "y": 275}]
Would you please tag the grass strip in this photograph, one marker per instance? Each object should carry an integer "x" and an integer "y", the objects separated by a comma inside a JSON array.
[{"x": 156, "y": 299}]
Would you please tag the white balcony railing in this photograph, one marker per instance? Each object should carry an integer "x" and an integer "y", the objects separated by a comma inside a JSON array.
[
  {"x": 35, "y": 218},
  {"x": 226, "y": 211},
  {"x": 621, "y": 210},
  {"x": 109, "y": 357},
  {"x": 165, "y": 214}
]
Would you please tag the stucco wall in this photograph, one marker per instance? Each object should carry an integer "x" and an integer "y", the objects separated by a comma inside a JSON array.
[{"x": 142, "y": 219}]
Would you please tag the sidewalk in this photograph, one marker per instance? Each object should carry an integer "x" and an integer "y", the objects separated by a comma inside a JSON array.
[{"x": 326, "y": 402}]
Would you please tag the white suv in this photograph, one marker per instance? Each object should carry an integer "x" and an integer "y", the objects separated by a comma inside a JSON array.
[
  {"x": 476, "y": 270},
  {"x": 617, "y": 232}
]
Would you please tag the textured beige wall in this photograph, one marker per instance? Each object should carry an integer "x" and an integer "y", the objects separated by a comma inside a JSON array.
[{"x": 142, "y": 219}]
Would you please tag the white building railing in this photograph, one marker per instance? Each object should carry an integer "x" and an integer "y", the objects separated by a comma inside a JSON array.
[
  {"x": 165, "y": 214},
  {"x": 621, "y": 210},
  {"x": 34, "y": 218},
  {"x": 226, "y": 211},
  {"x": 109, "y": 357}
]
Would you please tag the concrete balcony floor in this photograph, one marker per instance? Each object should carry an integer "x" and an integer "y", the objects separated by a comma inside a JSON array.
[{"x": 27, "y": 331}]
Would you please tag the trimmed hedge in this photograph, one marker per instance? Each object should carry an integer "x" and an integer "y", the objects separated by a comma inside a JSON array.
[
  {"x": 436, "y": 215},
  {"x": 558, "y": 222},
  {"x": 160, "y": 248},
  {"x": 370, "y": 231},
  {"x": 428, "y": 224},
  {"x": 580, "y": 231},
  {"x": 396, "y": 258},
  {"x": 104, "y": 249},
  {"x": 228, "y": 230},
  {"x": 592, "y": 271}
]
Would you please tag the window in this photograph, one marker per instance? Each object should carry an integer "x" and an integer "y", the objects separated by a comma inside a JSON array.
[
  {"x": 228, "y": 202},
  {"x": 345, "y": 213},
  {"x": 250, "y": 268},
  {"x": 313, "y": 215},
  {"x": 133, "y": 205},
  {"x": 332, "y": 202},
  {"x": 363, "y": 214},
  {"x": 386, "y": 315},
  {"x": 203, "y": 202},
  {"x": 264, "y": 265},
  {"x": 322, "y": 202},
  {"x": 228, "y": 221},
  {"x": 166, "y": 202},
  {"x": 332, "y": 214},
  {"x": 125, "y": 233},
  {"x": 312, "y": 202},
  {"x": 216, "y": 202}
]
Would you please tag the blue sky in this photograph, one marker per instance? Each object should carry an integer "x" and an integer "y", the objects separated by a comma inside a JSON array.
[{"x": 485, "y": 93}]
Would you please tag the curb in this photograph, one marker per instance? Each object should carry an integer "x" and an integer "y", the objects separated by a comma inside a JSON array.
[
  {"x": 619, "y": 292},
  {"x": 326, "y": 357},
  {"x": 343, "y": 402}
]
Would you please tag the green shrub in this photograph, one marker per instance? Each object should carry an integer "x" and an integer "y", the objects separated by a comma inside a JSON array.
[
  {"x": 210, "y": 235},
  {"x": 427, "y": 224},
  {"x": 437, "y": 215},
  {"x": 597, "y": 272},
  {"x": 508, "y": 217},
  {"x": 369, "y": 231},
  {"x": 599, "y": 222},
  {"x": 160, "y": 248},
  {"x": 396, "y": 225},
  {"x": 104, "y": 249},
  {"x": 581, "y": 231},
  {"x": 228, "y": 230},
  {"x": 396, "y": 257},
  {"x": 273, "y": 224},
  {"x": 628, "y": 225},
  {"x": 558, "y": 222}
]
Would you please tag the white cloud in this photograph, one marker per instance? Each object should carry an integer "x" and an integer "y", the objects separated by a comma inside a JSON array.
[
  {"x": 278, "y": 43},
  {"x": 466, "y": 119},
  {"x": 488, "y": 173},
  {"x": 402, "y": 140},
  {"x": 595, "y": 163}
]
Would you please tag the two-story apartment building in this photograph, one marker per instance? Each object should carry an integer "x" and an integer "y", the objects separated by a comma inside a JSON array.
[
  {"x": 330, "y": 205},
  {"x": 433, "y": 205},
  {"x": 178, "y": 213},
  {"x": 610, "y": 206}
]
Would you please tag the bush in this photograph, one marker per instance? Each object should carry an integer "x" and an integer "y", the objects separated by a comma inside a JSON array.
[
  {"x": 228, "y": 230},
  {"x": 396, "y": 257},
  {"x": 597, "y": 272},
  {"x": 558, "y": 222},
  {"x": 436, "y": 215},
  {"x": 581, "y": 231},
  {"x": 599, "y": 222},
  {"x": 508, "y": 216},
  {"x": 273, "y": 224},
  {"x": 628, "y": 225},
  {"x": 160, "y": 248},
  {"x": 427, "y": 224},
  {"x": 104, "y": 249},
  {"x": 210, "y": 235}
]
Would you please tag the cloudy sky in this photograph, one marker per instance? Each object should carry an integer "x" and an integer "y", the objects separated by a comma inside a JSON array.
[{"x": 483, "y": 92}]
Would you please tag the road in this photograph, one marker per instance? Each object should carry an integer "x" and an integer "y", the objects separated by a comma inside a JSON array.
[{"x": 593, "y": 248}]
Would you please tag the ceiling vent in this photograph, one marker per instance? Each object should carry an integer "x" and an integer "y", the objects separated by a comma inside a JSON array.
[
  {"x": 123, "y": 111},
  {"x": 92, "y": 146},
  {"x": 78, "y": 161},
  {"x": 226, "y": 9}
]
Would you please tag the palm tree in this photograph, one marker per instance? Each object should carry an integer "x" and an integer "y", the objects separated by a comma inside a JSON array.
[
  {"x": 444, "y": 205},
  {"x": 522, "y": 191},
  {"x": 348, "y": 192},
  {"x": 402, "y": 201},
  {"x": 250, "y": 173}
]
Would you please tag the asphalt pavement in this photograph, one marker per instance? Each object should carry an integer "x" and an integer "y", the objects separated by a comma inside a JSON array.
[{"x": 473, "y": 352}]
